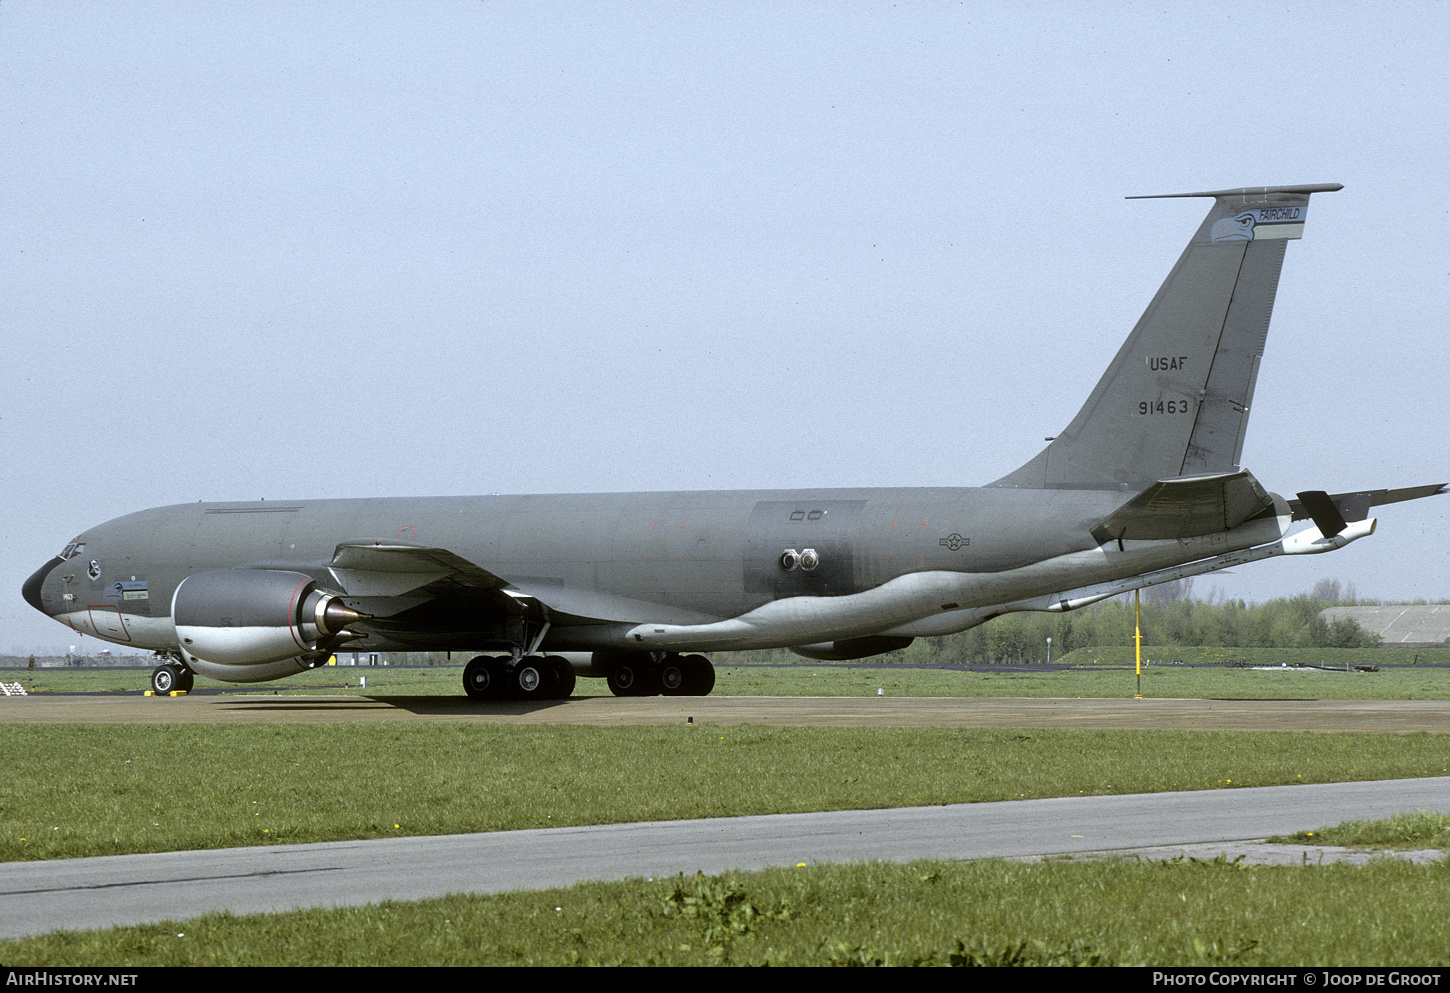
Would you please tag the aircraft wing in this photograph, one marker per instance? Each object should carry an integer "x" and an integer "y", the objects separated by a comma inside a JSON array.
[
  {"x": 397, "y": 569},
  {"x": 372, "y": 568},
  {"x": 1186, "y": 508}
]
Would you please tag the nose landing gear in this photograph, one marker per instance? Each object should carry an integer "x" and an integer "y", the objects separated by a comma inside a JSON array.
[{"x": 169, "y": 678}]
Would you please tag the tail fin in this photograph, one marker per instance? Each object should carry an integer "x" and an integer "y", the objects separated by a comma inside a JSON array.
[{"x": 1175, "y": 401}]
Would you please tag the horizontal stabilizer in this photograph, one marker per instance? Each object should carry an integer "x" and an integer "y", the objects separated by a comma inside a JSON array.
[
  {"x": 1355, "y": 506},
  {"x": 1324, "y": 511},
  {"x": 1185, "y": 508},
  {"x": 1249, "y": 193}
]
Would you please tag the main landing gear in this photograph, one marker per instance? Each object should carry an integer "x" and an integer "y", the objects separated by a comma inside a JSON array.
[
  {"x": 551, "y": 677},
  {"x": 671, "y": 675},
  {"x": 169, "y": 678},
  {"x": 534, "y": 677}
]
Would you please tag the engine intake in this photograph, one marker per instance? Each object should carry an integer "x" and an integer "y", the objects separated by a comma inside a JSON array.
[{"x": 256, "y": 617}]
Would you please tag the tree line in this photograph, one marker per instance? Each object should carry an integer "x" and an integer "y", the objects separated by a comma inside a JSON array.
[{"x": 1168, "y": 618}]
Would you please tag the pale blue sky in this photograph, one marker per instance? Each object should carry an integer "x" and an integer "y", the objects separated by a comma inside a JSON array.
[{"x": 319, "y": 250}]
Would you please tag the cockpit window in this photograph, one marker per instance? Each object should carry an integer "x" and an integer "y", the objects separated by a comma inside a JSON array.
[{"x": 72, "y": 550}]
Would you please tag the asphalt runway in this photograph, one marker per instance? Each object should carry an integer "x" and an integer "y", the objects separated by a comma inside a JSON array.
[
  {"x": 37, "y": 897},
  {"x": 1364, "y": 716}
]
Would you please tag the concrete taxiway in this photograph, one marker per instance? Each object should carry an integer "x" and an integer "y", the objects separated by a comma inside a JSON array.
[
  {"x": 1365, "y": 716},
  {"x": 38, "y": 897}
]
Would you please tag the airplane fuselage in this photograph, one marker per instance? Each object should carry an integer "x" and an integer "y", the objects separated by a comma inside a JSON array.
[
  {"x": 1143, "y": 486},
  {"x": 679, "y": 559}
]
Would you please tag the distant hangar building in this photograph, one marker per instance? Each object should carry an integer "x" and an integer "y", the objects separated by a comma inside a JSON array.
[{"x": 1418, "y": 626}]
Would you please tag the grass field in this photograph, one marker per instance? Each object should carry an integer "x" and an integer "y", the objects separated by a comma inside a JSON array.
[
  {"x": 1209, "y": 673},
  {"x": 76, "y": 790},
  {"x": 88, "y": 789},
  {"x": 1205, "y": 913},
  {"x": 1422, "y": 829}
]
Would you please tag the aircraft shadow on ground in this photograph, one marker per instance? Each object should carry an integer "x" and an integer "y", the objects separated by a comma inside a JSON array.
[{"x": 438, "y": 706}]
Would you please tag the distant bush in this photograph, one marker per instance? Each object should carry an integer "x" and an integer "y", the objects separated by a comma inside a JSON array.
[{"x": 1288, "y": 622}]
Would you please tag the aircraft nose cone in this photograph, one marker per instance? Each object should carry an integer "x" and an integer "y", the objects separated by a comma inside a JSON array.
[{"x": 31, "y": 589}]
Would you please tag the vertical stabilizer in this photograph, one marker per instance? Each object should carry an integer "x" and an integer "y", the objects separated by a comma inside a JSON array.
[{"x": 1175, "y": 400}]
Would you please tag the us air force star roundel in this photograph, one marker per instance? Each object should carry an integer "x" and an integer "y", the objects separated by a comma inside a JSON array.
[{"x": 954, "y": 541}]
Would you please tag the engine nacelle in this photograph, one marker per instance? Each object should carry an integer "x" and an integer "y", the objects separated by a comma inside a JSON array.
[{"x": 246, "y": 625}]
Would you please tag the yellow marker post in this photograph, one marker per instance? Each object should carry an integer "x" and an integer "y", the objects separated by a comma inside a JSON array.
[{"x": 1137, "y": 645}]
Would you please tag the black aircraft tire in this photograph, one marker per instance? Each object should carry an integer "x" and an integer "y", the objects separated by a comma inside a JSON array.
[
  {"x": 675, "y": 676},
  {"x": 700, "y": 675},
  {"x": 626, "y": 679},
  {"x": 530, "y": 679},
  {"x": 187, "y": 681},
  {"x": 164, "y": 678},
  {"x": 621, "y": 679},
  {"x": 563, "y": 678},
  {"x": 483, "y": 678}
]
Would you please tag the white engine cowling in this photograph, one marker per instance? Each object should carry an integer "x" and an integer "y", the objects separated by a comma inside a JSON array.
[{"x": 247, "y": 625}]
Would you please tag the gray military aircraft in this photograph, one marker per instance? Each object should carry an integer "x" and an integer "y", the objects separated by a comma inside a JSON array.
[{"x": 1143, "y": 487}]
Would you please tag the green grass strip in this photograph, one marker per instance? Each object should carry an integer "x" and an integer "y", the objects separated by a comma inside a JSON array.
[
  {"x": 1421, "y": 830},
  {"x": 1397, "y": 679},
  {"x": 76, "y": 790},
  {"x": 1158, "y": 682},
  {"x": 1105, "y": 913}
]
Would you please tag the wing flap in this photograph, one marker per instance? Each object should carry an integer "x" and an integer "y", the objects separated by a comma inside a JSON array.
[{"x": 1186, "y": 508}]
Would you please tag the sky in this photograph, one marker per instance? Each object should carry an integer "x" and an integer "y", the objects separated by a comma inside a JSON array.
[{"x": 386, "y": 249}]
